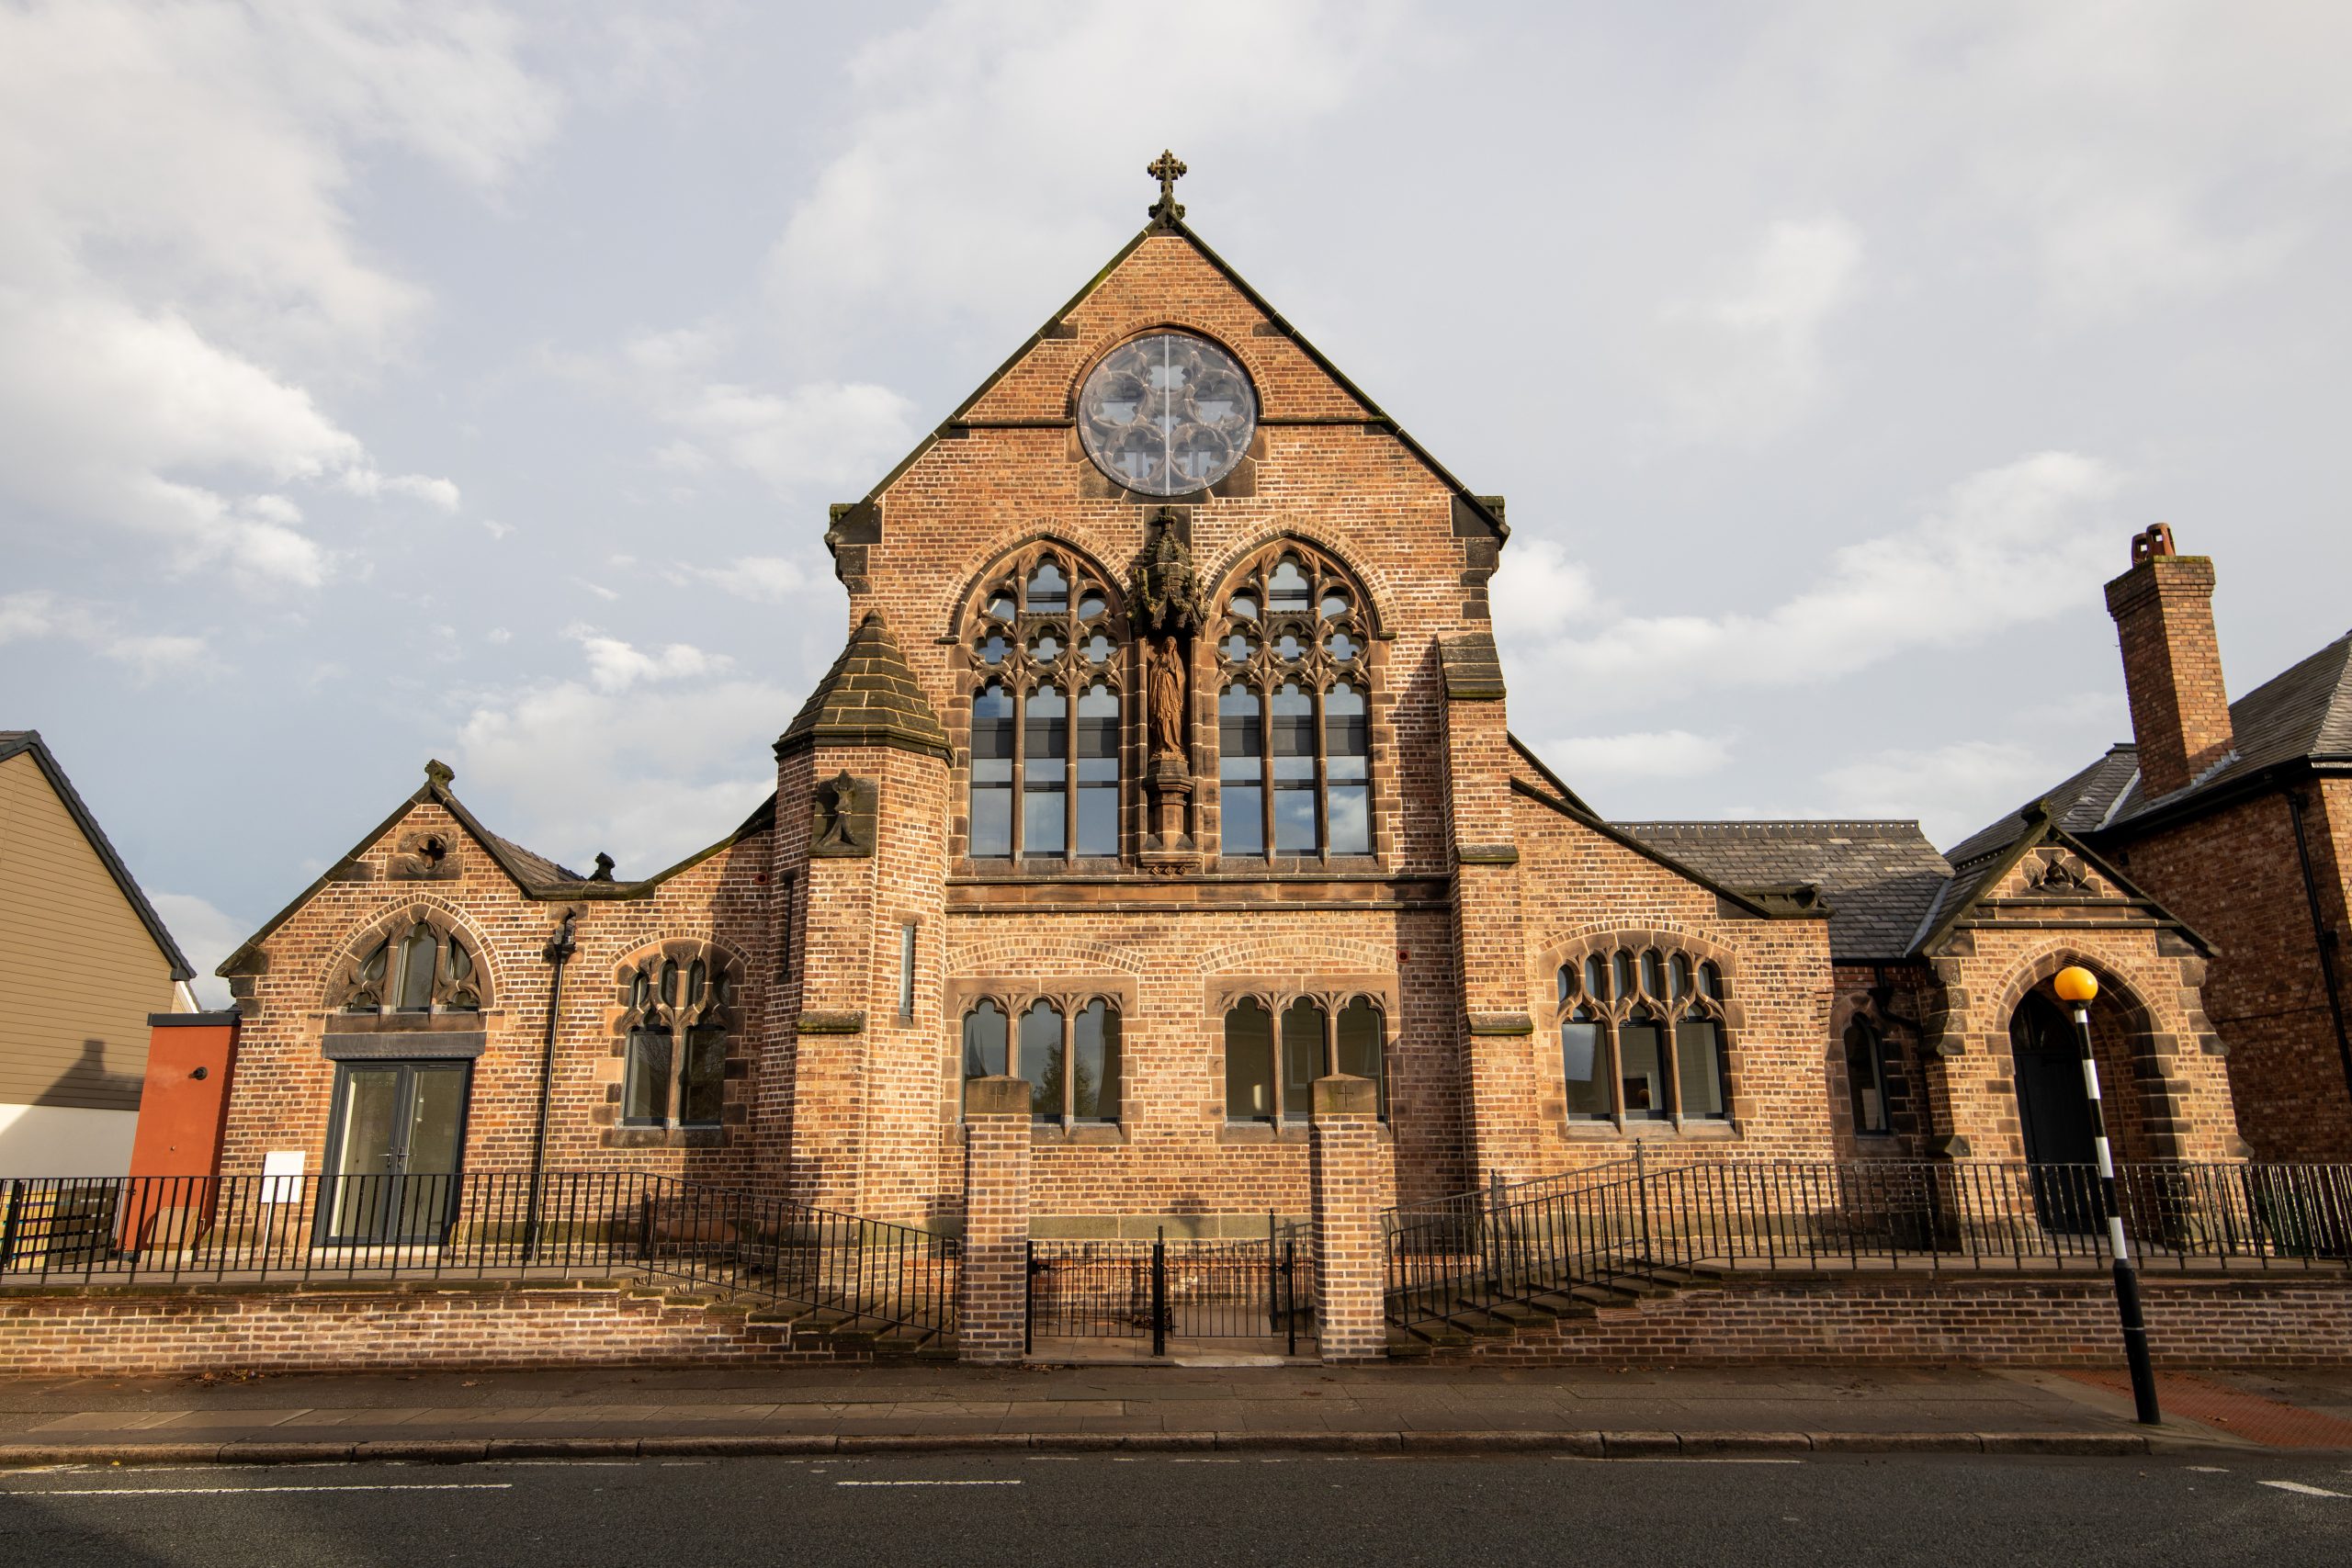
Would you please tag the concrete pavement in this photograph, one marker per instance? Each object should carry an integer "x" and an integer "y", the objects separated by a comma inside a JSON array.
[{"x": 460, "y": 1416}]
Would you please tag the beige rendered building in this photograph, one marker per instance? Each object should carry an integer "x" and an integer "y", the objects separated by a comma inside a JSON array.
[{"x": 90, "y": 959}]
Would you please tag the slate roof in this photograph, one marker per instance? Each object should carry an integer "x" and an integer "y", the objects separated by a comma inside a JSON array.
[
  {"x": 870, "y": 697},
  {"x": 539, "y": 877},
  {"x": 16, "y": 742},
  {"x": 2301, "y": 714},
  {"x": 1880, "y": 878}
]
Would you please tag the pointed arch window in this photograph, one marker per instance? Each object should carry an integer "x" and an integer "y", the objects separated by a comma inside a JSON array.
[
  {"x": 1642, "y": 1037},
  {"x": 418, "y": 967},
  {"x": 1045, "y": 650},
  {"x": 678, "y": 1013},
  {"x": 1293, "y": 710}
]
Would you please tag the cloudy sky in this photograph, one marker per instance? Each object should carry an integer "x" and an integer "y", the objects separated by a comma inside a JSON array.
[{"x": 379, "y": 382}]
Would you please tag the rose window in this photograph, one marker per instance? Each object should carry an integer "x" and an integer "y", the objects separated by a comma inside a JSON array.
[{"x": 1166, "y": 415}]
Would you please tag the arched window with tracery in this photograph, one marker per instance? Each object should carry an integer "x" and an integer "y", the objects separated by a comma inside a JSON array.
[
  {"x": 678, "y": 1014},
  {"x": 415, "y": 963},
  {"x": 1294, "y": 709},
  {"x": 1641, "y": 1036},
  {"x": 1045, "y": 646}
]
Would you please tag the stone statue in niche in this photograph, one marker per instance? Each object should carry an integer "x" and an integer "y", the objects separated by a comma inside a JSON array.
[
  {"x": 424, "y": 855},
  {"x": 1166, "y": 687},
  {"x": 842, "y": 817}
]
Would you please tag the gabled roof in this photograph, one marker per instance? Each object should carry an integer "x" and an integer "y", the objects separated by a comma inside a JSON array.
[
  {"x": 870, "y": 697},
  {"x": 2299, "y": 717},
  {"x": 1879, "y": 877},
  {"x": 535, "y": 875},
  {"x": 1482, "y": 512},
  {"x": 17, "y": 743},
  {"x": 1973, "y": 879}
]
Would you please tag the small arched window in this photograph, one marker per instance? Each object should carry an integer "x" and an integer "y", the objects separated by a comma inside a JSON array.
[
  {"x": 985, "y": 1041},
  {"x": 1046, "y": 718},
  {"x": 1866, "y": 1076},
  {"x": 1642, "y": 1037},
  {"x": 1042, "y": 1060},
  {"x": 1293, "y": 713}
]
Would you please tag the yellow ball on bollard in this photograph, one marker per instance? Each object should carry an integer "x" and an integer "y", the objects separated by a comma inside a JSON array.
[{"x": 2074, "y": 984}]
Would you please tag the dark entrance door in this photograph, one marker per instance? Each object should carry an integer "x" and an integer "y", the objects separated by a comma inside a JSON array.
[
  {"x": 392, "y": 1151},
  {"x": 2055, "y": 1110}
]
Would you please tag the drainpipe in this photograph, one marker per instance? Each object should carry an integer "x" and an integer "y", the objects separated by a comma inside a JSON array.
[
  {"x": 2321, "y": 938},
  {"x": 560, "y": 948}
]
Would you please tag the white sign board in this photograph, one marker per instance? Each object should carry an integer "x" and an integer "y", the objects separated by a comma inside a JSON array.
[{"x": 281, "y": 1171}]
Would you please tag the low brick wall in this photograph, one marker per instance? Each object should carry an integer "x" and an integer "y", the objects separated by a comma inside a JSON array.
[
  {"x": 2286, "y": 1320},
  {"x": 145, "y": 1330}
]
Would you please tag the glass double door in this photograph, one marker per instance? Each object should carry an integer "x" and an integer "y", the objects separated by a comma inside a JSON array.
[{"x": 393, "y": 1160}]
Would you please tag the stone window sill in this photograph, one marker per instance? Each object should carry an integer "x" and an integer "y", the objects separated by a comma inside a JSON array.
[
  {"x": 1243, "y": 1133},
  {"x": 664, "y": 1138},
  {"x": 1079, "y": 1135},
  {"x": 1653, "y": 1131}
]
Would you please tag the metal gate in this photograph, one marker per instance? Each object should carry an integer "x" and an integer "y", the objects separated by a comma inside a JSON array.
[{"x": 1162, "y": 1290}]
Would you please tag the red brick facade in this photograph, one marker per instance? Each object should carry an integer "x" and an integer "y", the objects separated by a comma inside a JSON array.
[{"x": 857, "y": 926}]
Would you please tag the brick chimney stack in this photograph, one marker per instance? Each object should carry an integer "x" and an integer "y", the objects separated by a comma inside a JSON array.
[{"x": 2172, "y": 662}]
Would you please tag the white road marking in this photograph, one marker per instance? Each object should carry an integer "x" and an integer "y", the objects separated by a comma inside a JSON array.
[
  {"x": 2303, "y": 1491},
  {"x": 235, "y": 1491},
  {"x": 927, "y": 1483},
  {"x": 2210, "y": 1469}
]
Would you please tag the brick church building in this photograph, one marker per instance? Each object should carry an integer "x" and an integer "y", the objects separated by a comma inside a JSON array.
[{"x": 1167, "y": 767}]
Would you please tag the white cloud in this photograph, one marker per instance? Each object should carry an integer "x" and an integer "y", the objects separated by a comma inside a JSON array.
[
  {"x": 825, "y": 433},
  {"x": 207, "y": 935},
  {"x": 1952, "y": 790},
  {"x": 176, "y": 263},
  {"x": 1539, "y": 592},
  {"x": 1746, "y": 364},
  {"x": 38, "y": 614},
  {"x": 2010, "y": 545},
  {"x": 601, "y": 764},
  {"x": 952, "y": 195},
  {"x": 764, "y": 580},
  {"x": 2129, "y": 154},
  {"x": 1640, "y": 754},
  {"x": 614, "y": 666}
]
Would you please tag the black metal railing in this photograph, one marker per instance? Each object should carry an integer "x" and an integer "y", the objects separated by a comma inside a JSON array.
[
  {"x": 1477, "y": 1251},
  {"x": 492, "y": 1225},
  {"x": 1260, "y": 1287}
]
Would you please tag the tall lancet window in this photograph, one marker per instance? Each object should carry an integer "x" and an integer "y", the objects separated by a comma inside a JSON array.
[
  {"x": 1293, "y": 710},
  {"x": 1047, "y": 647}
]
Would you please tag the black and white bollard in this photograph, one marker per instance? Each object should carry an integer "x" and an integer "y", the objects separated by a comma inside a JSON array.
[{"x": 2076, "y": 987}]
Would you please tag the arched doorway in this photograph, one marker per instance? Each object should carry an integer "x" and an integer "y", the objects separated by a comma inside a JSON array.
[{"x": 2054, "y": 1112}]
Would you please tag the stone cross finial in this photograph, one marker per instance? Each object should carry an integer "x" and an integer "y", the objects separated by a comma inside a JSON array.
[
  {"x": 440, "y": 771},
  {"x": 1167, "y": 169}
]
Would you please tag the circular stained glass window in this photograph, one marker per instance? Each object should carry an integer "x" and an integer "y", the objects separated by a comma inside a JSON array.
[{"x": 1166, "y": 415}]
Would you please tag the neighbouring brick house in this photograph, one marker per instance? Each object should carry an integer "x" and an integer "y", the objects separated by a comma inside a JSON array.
[
  {"x": 1166, "y": 768},
  {"x": 2238, "y": 816}
]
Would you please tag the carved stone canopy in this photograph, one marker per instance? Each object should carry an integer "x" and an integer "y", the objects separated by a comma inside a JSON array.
[{"x": 1163, "y": 591}]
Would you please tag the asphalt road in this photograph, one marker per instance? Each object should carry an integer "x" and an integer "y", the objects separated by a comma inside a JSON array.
[{"x": 1290, "y": 1510}]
